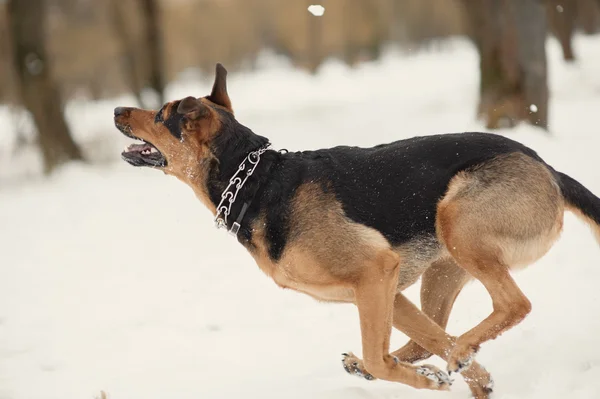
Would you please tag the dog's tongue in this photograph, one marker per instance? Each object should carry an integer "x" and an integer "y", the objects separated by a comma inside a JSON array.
[
  {"x": 144, "y": 149},
  {"x": 139, "y": 147}
]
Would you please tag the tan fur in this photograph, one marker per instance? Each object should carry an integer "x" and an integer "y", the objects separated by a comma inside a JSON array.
[
  {"x": 523, "y": 209},
  {"x": 440, "y": 286},
  {"x": 375, "y": 293},
  {"x": 503, "y": 215},
  {"x": 188, "y": 159},
  {"x": 429, "y": 334},
  {"x": 334, "y": 259},
  {"x": 320, "y": 230}
]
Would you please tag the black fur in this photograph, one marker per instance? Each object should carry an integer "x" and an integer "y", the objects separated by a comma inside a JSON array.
[
  {"x": 230, "y": 146},
  {"x": 579, "y": 196},
  {"x": 393, "y": 188},
  {"x": 173, "y": 122},
  {"x": 159, "y": 115}
]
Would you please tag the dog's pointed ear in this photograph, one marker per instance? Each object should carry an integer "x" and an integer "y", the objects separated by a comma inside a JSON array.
[
  {"x": 219, "y": 91},
  {"x": 192, "y": 108}
]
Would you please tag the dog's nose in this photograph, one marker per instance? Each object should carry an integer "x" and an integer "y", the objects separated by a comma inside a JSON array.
[{"x": 122, "y": 111}]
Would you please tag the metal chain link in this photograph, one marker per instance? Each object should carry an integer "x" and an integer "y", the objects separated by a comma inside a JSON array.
[{"x": 229, "y": 195}]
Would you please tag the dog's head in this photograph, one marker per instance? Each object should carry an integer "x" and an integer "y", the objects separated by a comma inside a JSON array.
[{"x": 177, "y": 138}]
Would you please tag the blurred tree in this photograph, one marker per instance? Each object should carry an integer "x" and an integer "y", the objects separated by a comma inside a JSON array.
[
  {"x": 562, "y": 17},
  {"x": 35, "y": 84},
  {"x": 5, "y": 55},
  {"x": 315, "y": 39},
  {"x": 142, "y": 57},
  {"x": 134, "y": 80},
  {"x": 510, "y": 38},
  {"x": 364, "y": 33},
  {"x": 588, "y": 15},
  {"x": 153, "y": 36}
]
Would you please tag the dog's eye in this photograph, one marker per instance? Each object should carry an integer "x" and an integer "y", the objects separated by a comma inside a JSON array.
[{"x": 159, "y": 116}]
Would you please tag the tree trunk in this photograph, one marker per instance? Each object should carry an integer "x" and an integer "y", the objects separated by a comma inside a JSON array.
[
  {"x": 154, "y": 47},
  {"x": 510, "y": 38},
  {"x": 130, "y": 61},
  {"x": 5, "y": 59},
  {"x": 37, "y": 89},
  {"x": 351, "y": 48},
  {"x": 314, "y": 51},
  {"x": 561, "y": 17},
  {"x": 363, "y": 31},
  {"x": 588, "y": 15},
  {"x": 371, "y": 11}
]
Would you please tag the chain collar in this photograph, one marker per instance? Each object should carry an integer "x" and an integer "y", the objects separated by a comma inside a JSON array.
[{"x": 236, "y": 183}]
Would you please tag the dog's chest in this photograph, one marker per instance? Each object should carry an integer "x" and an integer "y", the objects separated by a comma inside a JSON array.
[
  {"x": 306, "y": 276},
  {"x": 322, "y": 291}
]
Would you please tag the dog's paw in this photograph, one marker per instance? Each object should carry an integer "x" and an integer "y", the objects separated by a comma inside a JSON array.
[
  {"x": 354, "y": 366},
  {"x": 483, "y": 392},
  {"x": 481, "y": 384},
  {"x": 461, "y": 357},
  {"x": 438, "y": 377},
  {"x": 488, "y": 388}
]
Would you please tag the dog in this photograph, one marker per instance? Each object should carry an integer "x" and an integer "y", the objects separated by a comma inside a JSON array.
[{"x": 360, "y": 225}]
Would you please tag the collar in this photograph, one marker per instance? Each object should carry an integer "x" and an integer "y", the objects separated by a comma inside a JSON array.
[{"x": 236, "y": 182}]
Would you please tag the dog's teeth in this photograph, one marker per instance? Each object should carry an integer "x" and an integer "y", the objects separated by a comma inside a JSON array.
[{"x": 153, "y": 150}]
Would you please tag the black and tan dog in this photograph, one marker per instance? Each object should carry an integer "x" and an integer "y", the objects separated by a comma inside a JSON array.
[{"x": 360, "y": 225}]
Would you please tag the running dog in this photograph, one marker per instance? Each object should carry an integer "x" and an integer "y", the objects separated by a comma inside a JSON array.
[{"x": 359, "y": 225}]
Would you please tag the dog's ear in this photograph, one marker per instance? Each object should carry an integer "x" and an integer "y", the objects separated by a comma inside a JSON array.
[
  {"x": 192, "y": 108},
  {"x": 219, "y": 91}
]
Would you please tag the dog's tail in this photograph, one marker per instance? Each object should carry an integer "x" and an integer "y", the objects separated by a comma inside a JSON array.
[{"x": 581, "y": 201}]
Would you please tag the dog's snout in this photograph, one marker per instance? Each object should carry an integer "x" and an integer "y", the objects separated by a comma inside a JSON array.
[{"x": 122, "y": 111}]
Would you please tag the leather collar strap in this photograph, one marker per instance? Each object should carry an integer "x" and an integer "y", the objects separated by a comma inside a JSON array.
[{"x": 238, "y": 222}]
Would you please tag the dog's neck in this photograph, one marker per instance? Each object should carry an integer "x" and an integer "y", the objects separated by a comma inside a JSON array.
[
  {"x": 230, "y": 150},
  {"x": 224, "y": 217}
]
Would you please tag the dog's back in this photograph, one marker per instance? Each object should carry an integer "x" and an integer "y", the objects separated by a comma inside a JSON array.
[{"x": 393, "y": 188}]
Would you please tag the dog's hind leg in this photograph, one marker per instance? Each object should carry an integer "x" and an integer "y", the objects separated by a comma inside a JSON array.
[
  {"x": 374, "y": 295},
  {"x": 440, "y": 285},
  {"x": 504, "y": 214},
  {"x": 510, "y": 306}
]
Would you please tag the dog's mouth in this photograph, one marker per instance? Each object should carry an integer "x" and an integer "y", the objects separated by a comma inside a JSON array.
[{"x": 145, "y": 154}]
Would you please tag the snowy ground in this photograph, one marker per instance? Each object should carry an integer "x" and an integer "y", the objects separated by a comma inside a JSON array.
[{"x": 113, "y": 278}]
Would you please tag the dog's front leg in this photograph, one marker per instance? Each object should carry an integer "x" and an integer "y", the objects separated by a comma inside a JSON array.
[
  {"x": 374, "y": 293},
  {"x": 429, "y": 335}
]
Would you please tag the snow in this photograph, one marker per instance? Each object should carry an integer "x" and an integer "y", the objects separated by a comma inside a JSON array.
[
  {"x": 114, "y": 278},
  {"x": 316, "y": 10}
]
